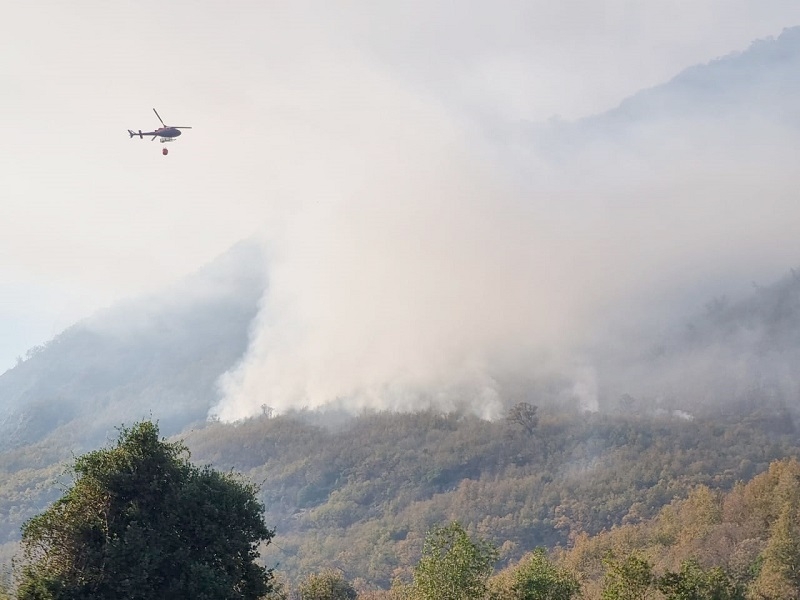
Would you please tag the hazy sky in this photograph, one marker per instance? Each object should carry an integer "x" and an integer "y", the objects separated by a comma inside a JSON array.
[{"x": 291, "y": 102}]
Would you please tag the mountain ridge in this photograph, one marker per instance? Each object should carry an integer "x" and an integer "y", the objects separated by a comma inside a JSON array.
[
  {"x": 757, "y": 82},
  {"x": 156, "y": 355}
]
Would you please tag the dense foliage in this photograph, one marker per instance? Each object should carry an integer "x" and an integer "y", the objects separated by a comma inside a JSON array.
[
  {"x": 535, "y": 577},
  {"x": 141, "y": 522},
  {"x": 725, "y": 546},
  {"x": 452, "y": 566},
  {"x": 361, "y": 497},
  {"x": 743, "y": 544},
  {"x": 327, "y": 585}
]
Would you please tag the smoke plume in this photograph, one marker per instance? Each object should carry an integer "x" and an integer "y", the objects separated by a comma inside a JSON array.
[{"x": 424, "y": 257}]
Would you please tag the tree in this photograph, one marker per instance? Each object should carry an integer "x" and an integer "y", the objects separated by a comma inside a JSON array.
[
  {"x": 328, "y": 585},
  {"x": 628, "y": 579},
  {"x": 535, "y": 577},
  {"x": 452, "y": 566},
  {"x": 694, "y": 583},
  {"x": 141, "y": 522},
  {"x": 524, "y": 415},
  {"x": 779, "y": 575}
]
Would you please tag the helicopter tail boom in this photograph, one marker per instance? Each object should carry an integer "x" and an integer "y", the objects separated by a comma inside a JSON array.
[{"x": 133, "y": 133}]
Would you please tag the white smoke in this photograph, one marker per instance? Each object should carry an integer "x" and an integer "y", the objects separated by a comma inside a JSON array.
[
  {"x": 585, "y": 389},
  {"x": 414, "y": 263},
  {"x": 407, "y": 289}
]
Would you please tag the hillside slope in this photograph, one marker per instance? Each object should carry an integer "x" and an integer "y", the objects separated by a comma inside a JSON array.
[
  {"x": 157, "y": 356},
  {"x": 738, "y": 353},
  {"x": 360, "y": 498}
]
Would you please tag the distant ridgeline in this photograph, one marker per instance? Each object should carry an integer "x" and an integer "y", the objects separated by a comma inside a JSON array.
[
  {"x": 758, "y": 83},
  {"x": 157, "y": 356}
]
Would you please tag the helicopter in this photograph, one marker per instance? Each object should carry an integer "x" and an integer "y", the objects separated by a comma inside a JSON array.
[{"x": 167, "y": 133}]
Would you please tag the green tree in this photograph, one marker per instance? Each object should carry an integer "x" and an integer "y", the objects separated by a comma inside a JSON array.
[
  {"x": 628, "y": 579},
  {"x": 328, "y": 585},
  {"x": 452, "y": 566},
  {"x": 535, "y": 577},
  {"x": 779, "y": 576},
  {"x": 694, "y": 583},
  {"x": 141, "y": 522}
]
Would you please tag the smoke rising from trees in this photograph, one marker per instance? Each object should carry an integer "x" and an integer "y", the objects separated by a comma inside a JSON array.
[{"x": 432, "y": 259}]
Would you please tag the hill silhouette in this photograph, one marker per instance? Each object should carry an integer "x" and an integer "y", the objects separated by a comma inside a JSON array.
[{"x": 158, "y": 355}]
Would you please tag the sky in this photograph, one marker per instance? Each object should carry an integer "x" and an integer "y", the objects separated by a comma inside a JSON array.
[{"x": 313, "y": 121}]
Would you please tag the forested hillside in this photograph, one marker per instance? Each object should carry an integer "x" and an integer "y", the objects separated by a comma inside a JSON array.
[
  {"x": 750, "y": 534},
  {"x": 361, "y": 497},
  {"x": 359, "y": 493}
]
